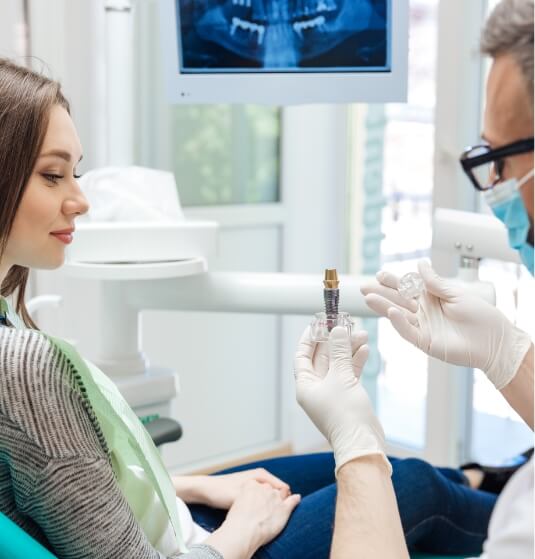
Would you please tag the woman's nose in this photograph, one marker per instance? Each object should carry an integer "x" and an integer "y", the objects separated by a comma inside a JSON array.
[
  {"x": 83, "y": 205},
  {"x": 76, "y": 203}
]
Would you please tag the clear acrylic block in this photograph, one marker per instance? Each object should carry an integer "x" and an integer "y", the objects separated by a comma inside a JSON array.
[
  {"x": 322, "y": 324},
  {"x": 411, "y": 286}
]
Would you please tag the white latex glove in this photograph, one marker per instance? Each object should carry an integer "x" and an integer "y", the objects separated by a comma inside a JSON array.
[
  {"x": 451, "y": 325},
  {"x": 335, "y": 400}
]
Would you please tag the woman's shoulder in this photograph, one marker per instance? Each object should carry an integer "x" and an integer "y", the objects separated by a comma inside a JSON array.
[
  {"x": 23, "y": 350},
  {"x": 26, "y": 356},
  {"x": 39, "y": 394}
]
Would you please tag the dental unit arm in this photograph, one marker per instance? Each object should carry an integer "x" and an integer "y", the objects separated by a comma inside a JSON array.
[{"x": 186, "y": 285}]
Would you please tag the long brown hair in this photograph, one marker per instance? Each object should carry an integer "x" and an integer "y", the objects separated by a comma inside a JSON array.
[{"x": 26, "y": 99}]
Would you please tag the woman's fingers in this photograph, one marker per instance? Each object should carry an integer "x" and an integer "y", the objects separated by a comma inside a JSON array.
[
  {"x": 284, "y": 492},
  {"x": 291, "y": 502},
  {"x": 263, "y": 476}
]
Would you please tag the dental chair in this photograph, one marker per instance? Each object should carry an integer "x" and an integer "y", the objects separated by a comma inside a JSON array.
[{"x": 15, "y": 543}]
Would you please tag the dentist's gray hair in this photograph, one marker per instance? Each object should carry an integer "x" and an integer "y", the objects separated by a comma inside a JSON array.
[{"x": 509, "y": 30}]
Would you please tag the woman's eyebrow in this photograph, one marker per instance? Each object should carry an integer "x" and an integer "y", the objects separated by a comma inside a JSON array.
[{"x": 60, "y": 153}]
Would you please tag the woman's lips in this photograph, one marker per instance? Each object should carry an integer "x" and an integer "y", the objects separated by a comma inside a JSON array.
[{"x": 65, "y": 238}]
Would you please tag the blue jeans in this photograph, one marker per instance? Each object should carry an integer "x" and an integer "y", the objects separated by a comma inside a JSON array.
[{"x": 439, "y": 512}]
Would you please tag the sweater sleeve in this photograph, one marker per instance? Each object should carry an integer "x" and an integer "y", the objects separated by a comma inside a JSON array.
[
  {"x": 61, "y": 476},
  {"x": 81, "y": 510},
  {"x": 202, "y": 551}
]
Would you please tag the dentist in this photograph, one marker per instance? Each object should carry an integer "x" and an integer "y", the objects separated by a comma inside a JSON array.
[{"x": 447, "y": 324}]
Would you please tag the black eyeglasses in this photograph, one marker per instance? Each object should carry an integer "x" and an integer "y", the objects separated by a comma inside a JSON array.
[{"x": 484, "y": 165}]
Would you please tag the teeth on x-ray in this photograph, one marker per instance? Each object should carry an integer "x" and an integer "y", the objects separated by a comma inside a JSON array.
[
  {"x": 297, "y": 9},
  {"x": 284, "y": 34},
  {"x": 259, "y": 10},
  {"x": 300, "y": 26},
  {"x": 326, "y": 6},
  {"x": 311, "y": 7},
  {"x": 238, "y": 23}
]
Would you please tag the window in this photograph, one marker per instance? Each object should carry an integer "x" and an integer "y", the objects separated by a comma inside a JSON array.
[
  {"x": 220, "y": 154},
  {"x": 407, "y": 187},
  {"x": 226, "y": 154}
]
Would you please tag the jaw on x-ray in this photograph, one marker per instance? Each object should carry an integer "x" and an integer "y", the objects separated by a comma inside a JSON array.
[{"x": 284, "y": 35}]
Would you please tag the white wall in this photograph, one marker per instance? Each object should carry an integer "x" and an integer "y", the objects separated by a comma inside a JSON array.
[
  {"x": 73, "y": 52},
  {"x": 12, "y": 30}
]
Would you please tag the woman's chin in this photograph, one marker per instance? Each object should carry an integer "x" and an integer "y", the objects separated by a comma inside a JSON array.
[{"x": 51, "y": 264}]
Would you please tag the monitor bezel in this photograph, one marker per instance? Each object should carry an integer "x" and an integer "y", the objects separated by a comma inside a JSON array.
[{"x": 287, "y": 88}]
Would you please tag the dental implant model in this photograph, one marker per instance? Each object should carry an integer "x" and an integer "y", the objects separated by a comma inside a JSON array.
[
  {"x": 331, "y": 295},
  {"x": 411, "y": 285},
  {"x": 324, "y": 322}
]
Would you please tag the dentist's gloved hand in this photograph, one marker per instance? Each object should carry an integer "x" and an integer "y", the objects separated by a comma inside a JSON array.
[
  {"x": 333, "y": 397},
  {"x": 451, "y": 325}
]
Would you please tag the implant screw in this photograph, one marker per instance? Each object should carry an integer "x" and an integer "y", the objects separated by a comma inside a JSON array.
[{"x": 331, "y": 297}]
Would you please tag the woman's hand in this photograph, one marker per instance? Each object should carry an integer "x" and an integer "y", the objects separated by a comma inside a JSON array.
[
  {"x": 261, "y": 510},
  {"x": 258, "y": 514},
  {"x": 221, "y": 491}
]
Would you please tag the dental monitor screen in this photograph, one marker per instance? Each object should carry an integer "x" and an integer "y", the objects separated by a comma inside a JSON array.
[{"x": 285, "y": 51}]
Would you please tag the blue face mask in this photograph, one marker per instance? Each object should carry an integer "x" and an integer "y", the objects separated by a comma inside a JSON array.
[{"x": 508, "y": 206}]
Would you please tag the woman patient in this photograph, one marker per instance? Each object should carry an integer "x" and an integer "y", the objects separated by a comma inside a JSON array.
[{"x": 78, "y": 473}]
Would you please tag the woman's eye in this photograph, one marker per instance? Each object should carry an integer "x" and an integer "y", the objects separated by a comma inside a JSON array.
[
  {"x": 77, "y": 176},
  {"x": 52, "y": 177}
]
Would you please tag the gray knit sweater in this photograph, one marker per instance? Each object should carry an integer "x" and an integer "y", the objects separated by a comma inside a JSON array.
[{"x": 56, "y": 480}]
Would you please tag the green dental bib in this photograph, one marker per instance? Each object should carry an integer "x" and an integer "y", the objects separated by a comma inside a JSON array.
[
  {"x": 11, "y": 316},
  {"x": 137, "y": 464}
]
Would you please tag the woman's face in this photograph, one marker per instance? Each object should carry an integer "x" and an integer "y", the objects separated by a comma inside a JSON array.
[{"x": 44, "y": 223}]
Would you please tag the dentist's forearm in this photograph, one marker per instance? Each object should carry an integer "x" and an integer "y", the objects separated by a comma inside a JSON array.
[
  {"x": 367, "y": 522},
  {"x": 519, "y": 392}
]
